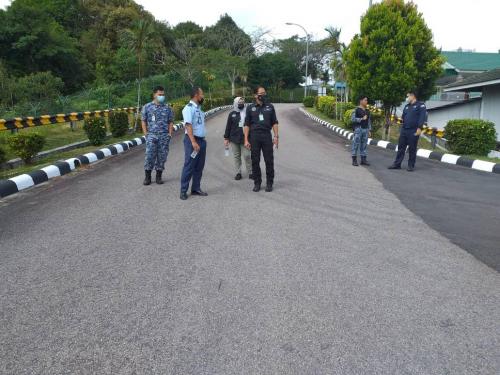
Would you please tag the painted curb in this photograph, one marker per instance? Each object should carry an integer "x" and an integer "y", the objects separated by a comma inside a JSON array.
[
  {"x": 480, "y": 165},
  {"x": 24, "y": 181}
]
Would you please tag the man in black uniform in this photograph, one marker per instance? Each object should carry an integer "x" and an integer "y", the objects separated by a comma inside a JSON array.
[
  {"x": 414, "y": 116},
  {"x": 260, "y": 119}
]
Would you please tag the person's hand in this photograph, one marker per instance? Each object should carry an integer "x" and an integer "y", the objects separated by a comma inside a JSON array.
[
  {"x": 196, "y": 146},
  {"x": 365, "y": 117},
  {"x": 247, "y": 145},
  {"x": 276, "y": 141},
  {"x": 226, "y": 142},
  {"x": 419, "y": 131}
]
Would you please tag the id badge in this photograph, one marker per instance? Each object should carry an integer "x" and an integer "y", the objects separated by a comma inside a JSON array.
[
  {"x": 261, "y": 117},
  {"x": 241, "y": 124},
  {"x": 153, "y": 118}
]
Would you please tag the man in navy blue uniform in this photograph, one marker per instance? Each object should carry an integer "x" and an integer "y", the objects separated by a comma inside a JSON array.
[{"x": 414, "y": 117}]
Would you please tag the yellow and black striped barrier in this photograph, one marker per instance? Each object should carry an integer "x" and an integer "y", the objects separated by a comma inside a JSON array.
[
  {"x": 398, "y": 120},
  {"x": 29, "y": 122}
]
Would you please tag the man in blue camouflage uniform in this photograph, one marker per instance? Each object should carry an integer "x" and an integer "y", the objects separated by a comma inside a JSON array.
[{"x": 157, "y": 126}]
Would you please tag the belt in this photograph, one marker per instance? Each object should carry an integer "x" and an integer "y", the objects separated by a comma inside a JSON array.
[{"x": 200, "y": 138}]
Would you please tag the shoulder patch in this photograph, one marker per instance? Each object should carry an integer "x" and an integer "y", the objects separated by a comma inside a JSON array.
[{"x": 190, "y": 104}]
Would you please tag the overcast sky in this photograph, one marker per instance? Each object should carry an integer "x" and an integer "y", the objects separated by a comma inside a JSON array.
[{"x": 455, "y": 23}]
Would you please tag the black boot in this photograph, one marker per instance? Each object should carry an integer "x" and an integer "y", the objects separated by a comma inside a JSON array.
[
  {"x": 355, "y": 161},
  {"x": 363, "y": 161},
  {"x": 159, "y": 181},
  {"x": 147, "y": 179}
]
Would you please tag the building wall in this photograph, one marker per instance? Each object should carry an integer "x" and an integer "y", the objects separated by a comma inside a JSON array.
[
  {"x": 491, "y": 106},
  {"x": 439, "y": 117}
]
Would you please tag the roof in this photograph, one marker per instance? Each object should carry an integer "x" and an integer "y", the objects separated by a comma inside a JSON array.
[
  {"x": 472, "y": 61},
  {"x": 453, "y": 104},
  {"x": 491, "y": 77}
]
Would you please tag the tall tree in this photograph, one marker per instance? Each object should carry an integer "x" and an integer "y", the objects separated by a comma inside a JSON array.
[
  {"x": 273, "y": 70},
  {"x": 393, "y": 53}
]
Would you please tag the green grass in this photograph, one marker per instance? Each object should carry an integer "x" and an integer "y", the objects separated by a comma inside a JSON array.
[{"x": 8, "y": 173}]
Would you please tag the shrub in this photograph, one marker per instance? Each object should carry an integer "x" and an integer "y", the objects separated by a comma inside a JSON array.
[
  {"x": 342, "y": 107},
  {"x": 325, "y": 103},
  {"x": 346, "y": 119},
  {"x": 470, "y": 136},
  {"x": 26, "y": 145},
  {"x": 95, "y": 128},
  {"x": 3, "y": 155},
  {"x": 118, "y": 123},
  {"x": 308, "y": 101}
]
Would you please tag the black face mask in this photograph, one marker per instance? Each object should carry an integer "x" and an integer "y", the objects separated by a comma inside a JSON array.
[
  {"x": 200, "y": 102},
  {"x": 241, "y": 106},
  {"x": 262, "y": 98}
]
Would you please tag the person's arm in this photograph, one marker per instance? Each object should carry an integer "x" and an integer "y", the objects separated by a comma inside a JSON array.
[
  {"x": 356, "y": 116},
  {"x": 144, "y": 120},
  {"x": 227, "y": 132},
  {"x": 171, "y": 122},
  {"x": 274, "y": 121},
  {"x": 188, "y": 120},
  {"x": 246, "y": 128},
  {"x": 422, "y": 115}
]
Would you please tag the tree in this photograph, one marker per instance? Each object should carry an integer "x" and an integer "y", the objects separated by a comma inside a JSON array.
[
  {"x": 273, "y": 70},
  {"x": 393, "y": 53}
]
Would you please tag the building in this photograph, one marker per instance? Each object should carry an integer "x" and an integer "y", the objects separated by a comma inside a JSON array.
[{"x": 486, "y": 107}]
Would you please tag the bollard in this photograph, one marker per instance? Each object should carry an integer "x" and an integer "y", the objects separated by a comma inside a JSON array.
[{"x": 433, "y": 138}]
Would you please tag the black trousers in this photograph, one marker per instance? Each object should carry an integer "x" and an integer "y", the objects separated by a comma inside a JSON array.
[
  {"x": 262, "y": 141},
  {"x": 407, "y": 138}
]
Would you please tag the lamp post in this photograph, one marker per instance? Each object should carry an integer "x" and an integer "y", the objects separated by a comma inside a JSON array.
[{"x": 307, "y": 52}]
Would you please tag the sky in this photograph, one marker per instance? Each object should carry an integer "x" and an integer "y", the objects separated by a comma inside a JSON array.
[{"x": 471, "y": 25}]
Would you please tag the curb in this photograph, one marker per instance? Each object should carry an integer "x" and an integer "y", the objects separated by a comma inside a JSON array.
[
  {"x": 480, "y": 165},
  {"x": 24, "y": 181}
]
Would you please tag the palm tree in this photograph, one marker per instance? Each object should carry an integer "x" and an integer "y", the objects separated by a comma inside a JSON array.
[{"x": 137, "y": 38}]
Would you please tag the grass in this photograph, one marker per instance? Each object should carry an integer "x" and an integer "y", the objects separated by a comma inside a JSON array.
[
  {"x": 8, "y": 173},
  {"x": 394, "y": 136}
]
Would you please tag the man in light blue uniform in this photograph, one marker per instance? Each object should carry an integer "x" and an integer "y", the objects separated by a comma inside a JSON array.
[
  {"x": 195, "y": 145},
  {"x": 157, "y": 126}
]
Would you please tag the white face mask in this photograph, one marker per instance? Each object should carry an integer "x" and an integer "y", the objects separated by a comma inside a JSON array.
[{"x": 408, "y": 100}]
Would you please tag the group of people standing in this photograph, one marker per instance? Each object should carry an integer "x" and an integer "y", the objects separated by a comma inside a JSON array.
[
  {"x": 251, "y": 130},
  {"x": 414, "y": 117}
]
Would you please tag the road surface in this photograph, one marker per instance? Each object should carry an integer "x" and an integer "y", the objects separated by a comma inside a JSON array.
[{"x": 340, "y": 270}]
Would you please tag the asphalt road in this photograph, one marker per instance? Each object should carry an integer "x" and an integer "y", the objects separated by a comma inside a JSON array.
[{"x": 338, "y": 271}]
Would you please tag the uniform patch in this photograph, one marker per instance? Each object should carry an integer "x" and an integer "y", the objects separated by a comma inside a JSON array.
[{"x": 254, "y": 109}]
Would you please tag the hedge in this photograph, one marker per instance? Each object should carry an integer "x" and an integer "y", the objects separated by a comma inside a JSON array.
[
  {"x": 95, "y": 128},
  {"x": 308, "y": 101},
  {"x": 470, "y": 136},
  {"x": 26, "y": 145},
  {"x": 346, "y": 119},
  {"x": 118, "y": 123}
]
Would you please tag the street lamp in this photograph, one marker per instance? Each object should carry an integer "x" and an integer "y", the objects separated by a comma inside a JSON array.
[{"x": 307, "y": 52}]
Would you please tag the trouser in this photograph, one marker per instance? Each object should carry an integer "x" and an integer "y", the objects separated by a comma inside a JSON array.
[
  {"x": 157, "y": 146},
  {"x": 359, "y": 141},
  {"x": 193, "y": 167},
  {"x": 262, "y": 141},
  {"x": 240, "y": 150},
  {"x": 407, "y": 138}
]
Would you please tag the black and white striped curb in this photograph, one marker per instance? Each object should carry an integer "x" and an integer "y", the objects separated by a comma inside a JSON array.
[
  {"x": 479, "y": 165},
  {"x": 24, "y": 181}
]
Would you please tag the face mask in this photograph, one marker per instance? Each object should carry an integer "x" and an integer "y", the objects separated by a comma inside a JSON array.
[
  {"x": 408, "y": 100},
  {"x": 200, "y": 101},
  {"x": 241, "y": 106},
  {"x": 262, "y": 98},
  {"x": 161, "y": 98}
]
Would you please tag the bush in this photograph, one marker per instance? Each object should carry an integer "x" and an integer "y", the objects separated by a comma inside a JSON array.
[
  {"x": 95, "y": 128},
  {"x": 3, "y": 155},
  {"x": 26, "y": 145},
  {"x": 470, "y": 136},
  {"x": 308, "y": 101},
  {"x": 118, "y": 123},
  {"x": 344, "y": 106},
  {"x": 346, "y": 119},
  {"x": 325, "y": 103}
]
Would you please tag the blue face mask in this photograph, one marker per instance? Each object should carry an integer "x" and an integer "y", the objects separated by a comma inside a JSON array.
[{"x": 161, "y": 98}]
